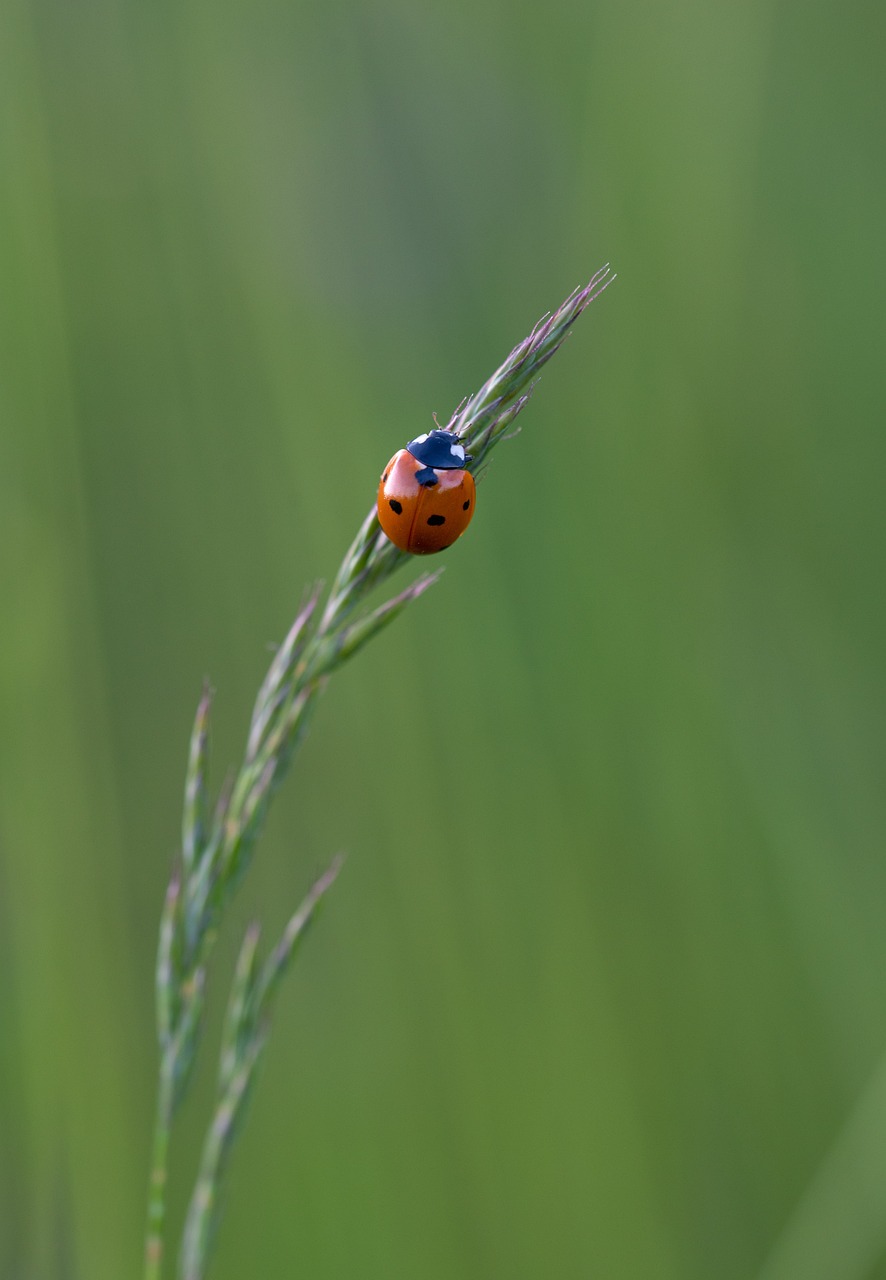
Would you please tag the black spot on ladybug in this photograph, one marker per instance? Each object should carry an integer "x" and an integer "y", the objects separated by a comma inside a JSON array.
[
  {"x": 426, "y": 476},
  {"x": 465, "y": 505},
  {"x": 436, "y": 519},
  {"x": 395, "y": 506},
  {"x": 386, "y": 474}
]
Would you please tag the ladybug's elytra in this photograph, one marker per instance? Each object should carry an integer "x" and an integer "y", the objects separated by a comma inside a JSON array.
[{"x": 426, "y": 497}]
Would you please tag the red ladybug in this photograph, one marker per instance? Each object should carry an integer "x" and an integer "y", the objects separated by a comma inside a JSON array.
[{"x": 425, "y": 497}]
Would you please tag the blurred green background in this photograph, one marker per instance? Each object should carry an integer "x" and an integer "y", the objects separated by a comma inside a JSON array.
[{"x": 602, "y": 990}]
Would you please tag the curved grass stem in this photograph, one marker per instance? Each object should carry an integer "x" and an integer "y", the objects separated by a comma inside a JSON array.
[{"x": 217, "y": 847}]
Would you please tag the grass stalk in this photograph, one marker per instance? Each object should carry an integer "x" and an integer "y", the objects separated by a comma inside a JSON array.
[{"x": 218, "y": 843}]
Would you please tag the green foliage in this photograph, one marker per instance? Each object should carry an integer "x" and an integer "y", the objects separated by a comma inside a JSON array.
[{"x": 602, "y": 981}]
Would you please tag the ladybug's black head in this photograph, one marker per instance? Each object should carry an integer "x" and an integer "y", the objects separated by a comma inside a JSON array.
[{"x": 441, "y": 450}]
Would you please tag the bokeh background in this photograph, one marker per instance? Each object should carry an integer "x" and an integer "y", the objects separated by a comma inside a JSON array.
[{"x": 602, "y": 990}]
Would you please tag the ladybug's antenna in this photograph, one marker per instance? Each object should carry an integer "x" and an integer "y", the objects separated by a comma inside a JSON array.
[{"x": 434, "y": 416}]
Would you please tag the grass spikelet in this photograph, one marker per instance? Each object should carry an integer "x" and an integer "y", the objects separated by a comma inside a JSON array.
[{"x": 217, "y": 846}]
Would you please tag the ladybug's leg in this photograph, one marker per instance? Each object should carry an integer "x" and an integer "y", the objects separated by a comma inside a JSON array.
[{"x": 426, "y": 476}]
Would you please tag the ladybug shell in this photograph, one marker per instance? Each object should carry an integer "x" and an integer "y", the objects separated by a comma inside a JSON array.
[{"x": 423, "y": 518}]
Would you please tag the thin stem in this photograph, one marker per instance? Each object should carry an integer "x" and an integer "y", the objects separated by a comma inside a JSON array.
[
  {"x": 217, "y": 844},
  {"x": 202, "y": 1217},
  {"x": 157, "y": 1184}
]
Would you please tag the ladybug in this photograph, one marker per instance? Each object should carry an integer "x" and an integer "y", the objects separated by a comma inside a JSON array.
[{"x": 425, "y": 496}]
